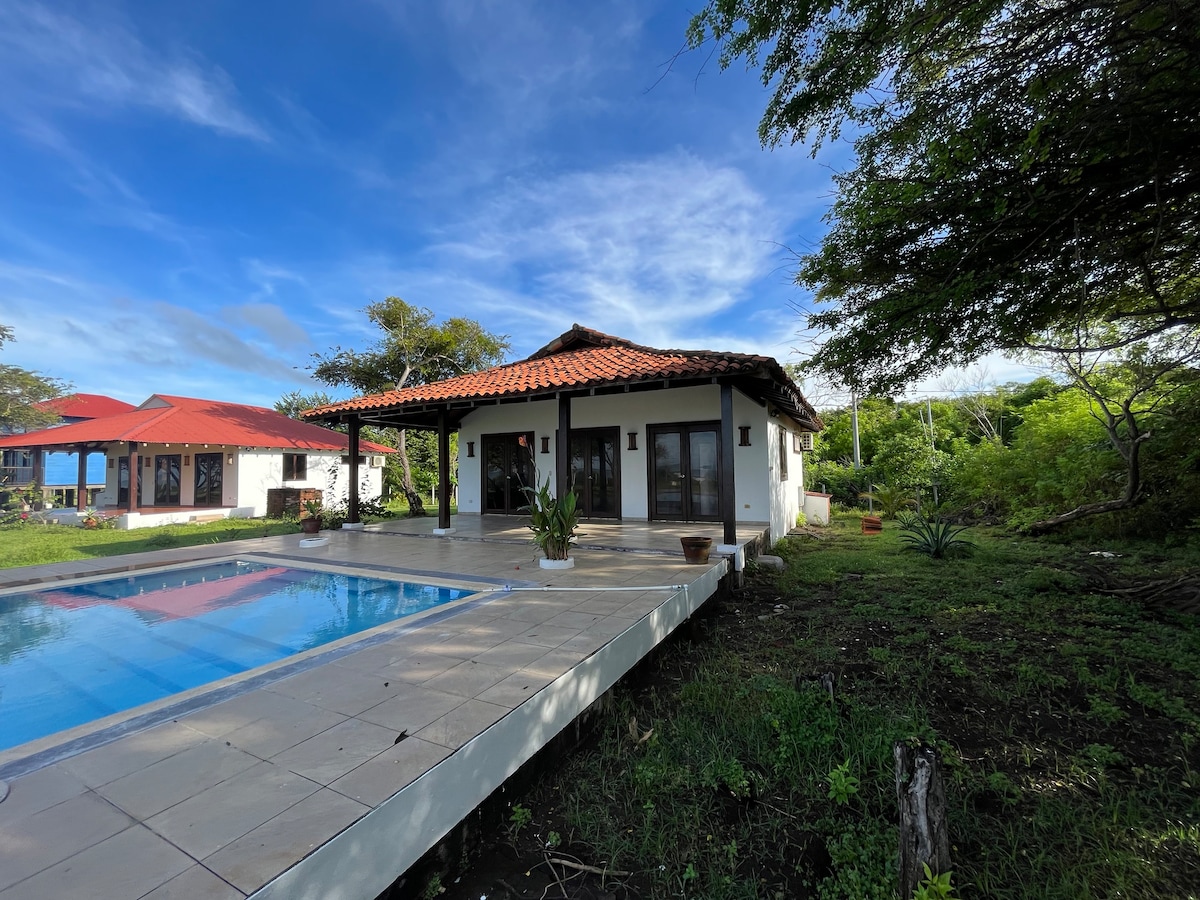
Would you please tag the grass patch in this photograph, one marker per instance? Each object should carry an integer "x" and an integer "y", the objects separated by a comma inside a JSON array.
[
  {"x": 1068, "y": 721},
  {"x": 32, "y": 545}
]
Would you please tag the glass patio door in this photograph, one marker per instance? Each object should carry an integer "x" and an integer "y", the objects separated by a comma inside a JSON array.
[
  {"x": 166, "y": 480},
  {"x": 209, "y": 479},
  {"x": 507, "y": 467},
  {"x": 594, "y": 471},
  {"x": 685, "y": 469}
]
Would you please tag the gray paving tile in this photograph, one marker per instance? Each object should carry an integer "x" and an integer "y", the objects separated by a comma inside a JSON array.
[
  {"x": 196, "y": 883},
  {"x": 381, "y": 776},
  {"x": 462, "y": 723},
  {"x": 515, "y": 689},
  {"x": 548, "y": 636},
  {"x": 510, "y": 655},
  {"x": 412, "y": 709},
  {"x": 554, "y": 663},
  {"x": 127, "y": 865},
  {"x": 259, "y": 855},
  {"x": 238, "y": 712},
  {"x": 419, "y": 666},
  {"x": 162, "y": 785},
  {"x": 338, "y": 689},
  {"x": 577, "y": 620},
  {"x": 131, "y": 753},
  {"x": 203, "y": 824},
  {"x": 292, "y": 724},
  {"x": 37, "y": 791},
  {"x": 335, "y": 751},
  {"x": 468, "y": 679},
  {"x": 467, "y": 644},
  {"x": 38, "y": 841}
]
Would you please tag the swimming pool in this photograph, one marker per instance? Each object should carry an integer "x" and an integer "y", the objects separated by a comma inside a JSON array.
[{"x": 71, "y": 655}]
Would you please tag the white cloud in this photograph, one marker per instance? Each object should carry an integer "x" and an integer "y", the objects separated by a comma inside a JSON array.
[
  {"x": 49, "y": 58},
  {"x": 638, "y": 249}
]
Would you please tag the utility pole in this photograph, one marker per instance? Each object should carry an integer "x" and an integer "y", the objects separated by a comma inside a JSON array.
[{"x": 854, "y": 428}]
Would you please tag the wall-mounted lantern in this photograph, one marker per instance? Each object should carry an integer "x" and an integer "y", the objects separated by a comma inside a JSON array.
[
  {"x": 470, "y": 448},
  {"x": 633, "y": 440},
  {"x": 545, "y": 445},
  {"x": 743, "y": 435}
]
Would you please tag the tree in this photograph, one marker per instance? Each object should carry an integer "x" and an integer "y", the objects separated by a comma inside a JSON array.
[
  {"x": 1124, "y": 389},
  {"x": 1018, "y": 165},
  {"x": 20, "y": 391},
  {"x": 293, "y": 403},
  {"x": 414, "y": 349}
]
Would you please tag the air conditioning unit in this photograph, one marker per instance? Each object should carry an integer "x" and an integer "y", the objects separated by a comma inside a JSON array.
[
  {"x": 806, "y": 440},
  {"x": 376, "y": 462}
]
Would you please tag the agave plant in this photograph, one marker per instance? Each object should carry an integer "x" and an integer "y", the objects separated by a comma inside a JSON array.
[
  {"x": 552, "y": 520},
  {"x": 890, "y": 497},
  {"x": 933, "y": 536}
]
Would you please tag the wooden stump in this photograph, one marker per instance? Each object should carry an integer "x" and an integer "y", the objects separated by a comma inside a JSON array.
[
  {"x": 872, "y": 524},
  {"x": 924, "y": 839}
]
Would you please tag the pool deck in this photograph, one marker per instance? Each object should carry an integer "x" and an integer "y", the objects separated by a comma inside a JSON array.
[{"x": 329, "y": 775}]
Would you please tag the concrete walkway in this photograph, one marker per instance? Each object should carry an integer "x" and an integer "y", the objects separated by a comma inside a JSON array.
[{"x": 327, "y": 775}]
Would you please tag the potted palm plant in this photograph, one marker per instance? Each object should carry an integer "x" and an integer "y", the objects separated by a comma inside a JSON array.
[
  {"x": 554, "y": 522},
  {"x": 311, "y": 524}
]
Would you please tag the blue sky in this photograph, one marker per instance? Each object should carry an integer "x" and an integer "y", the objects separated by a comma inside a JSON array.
[{"x": 194, "y": 198}]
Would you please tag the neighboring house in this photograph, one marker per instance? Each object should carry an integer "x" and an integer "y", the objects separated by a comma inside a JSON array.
[
  {"x": 658, "y": 435},
  {"x": 59, "y": 478},
  {"x": 220, "y": 458}
]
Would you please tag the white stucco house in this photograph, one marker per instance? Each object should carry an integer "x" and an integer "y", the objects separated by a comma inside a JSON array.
[
  {"x": 195, "y": 459},
  {"x": 641, "y": 434}
]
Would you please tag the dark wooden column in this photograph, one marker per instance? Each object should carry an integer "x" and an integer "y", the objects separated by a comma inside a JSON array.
[
  {"x": 39, "y": 467},
  {"x": 352, "y": 494},
  {"x": 134, "y": 500},
  {"x": 81, "y": 479},
  {"x": 562, "y": 446},
  {"x": 728, "y": 498},
  {"x": 443, "y": 470}
]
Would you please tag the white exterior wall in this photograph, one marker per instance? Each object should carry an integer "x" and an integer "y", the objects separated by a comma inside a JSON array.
[
  {"x": 787, "y": 496},
  {"x": 246, "y": 481},
  {"x": 759, "y": 497}
]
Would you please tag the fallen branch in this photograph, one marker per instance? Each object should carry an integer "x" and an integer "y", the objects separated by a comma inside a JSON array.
[{"x": 592, "y": 870}]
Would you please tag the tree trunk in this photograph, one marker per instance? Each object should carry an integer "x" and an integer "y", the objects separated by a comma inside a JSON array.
[
  {"x": 416, "y": 506},
  {"x": 924, "y": 839}
]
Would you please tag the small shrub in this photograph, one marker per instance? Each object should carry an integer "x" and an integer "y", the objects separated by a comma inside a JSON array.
[{"x": 934, "y": 537}]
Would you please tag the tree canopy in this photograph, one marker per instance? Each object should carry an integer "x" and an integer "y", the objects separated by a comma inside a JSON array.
[
  {"x": 1019, "y": 164},
  {"x": 20, "y": 391},
  {"x": 414, "y": 349}
]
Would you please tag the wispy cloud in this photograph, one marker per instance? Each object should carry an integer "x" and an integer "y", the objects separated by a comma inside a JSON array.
[
  {"x": 50, "y": 59},
  {"x": 629, "y": 248}
]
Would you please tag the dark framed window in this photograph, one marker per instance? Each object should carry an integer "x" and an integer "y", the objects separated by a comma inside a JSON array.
[
  {"x": 783, "y": 454},
  {"x": 295, "y": 467},
  {"x": 166, "y": 479}
]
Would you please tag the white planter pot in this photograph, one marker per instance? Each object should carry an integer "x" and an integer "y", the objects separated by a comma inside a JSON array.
[{"x": 568, "y": 563}]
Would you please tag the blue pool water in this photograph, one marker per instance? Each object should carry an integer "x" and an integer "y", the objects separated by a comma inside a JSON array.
[{"x": 70, "y": 655}]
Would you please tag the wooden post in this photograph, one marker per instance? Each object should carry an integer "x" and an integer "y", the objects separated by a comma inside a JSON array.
[
  {"x": 352, "y": 494},
  {"x": 81, "y": 480},
  {"x": 728, "y": 497},
  {"x": 562, "y": 447},
  {"x": 135, "y": 476},
  {"x": 924, "y": 839},
  {"x": 443, "y": 455}
]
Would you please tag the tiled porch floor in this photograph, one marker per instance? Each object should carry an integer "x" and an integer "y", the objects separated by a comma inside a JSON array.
[{"x": 218, "y": 801}]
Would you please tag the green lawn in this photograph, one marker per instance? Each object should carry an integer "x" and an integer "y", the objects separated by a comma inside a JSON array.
[
  {"x": 29, "y": 545},
  {"x": 1068, "y": 720}
]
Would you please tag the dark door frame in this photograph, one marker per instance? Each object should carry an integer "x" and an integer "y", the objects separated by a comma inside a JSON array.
[
  {"x": 684, "y": 429},
  {"x": 220, "y": 486},
  {"x": 613, "y": 433},
  {"x": 510, "y": 440}
]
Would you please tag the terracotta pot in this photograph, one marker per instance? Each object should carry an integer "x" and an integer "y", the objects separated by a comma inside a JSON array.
[
  {"x": 311, "y": 525},
  {"x": 696, "y": 549}
]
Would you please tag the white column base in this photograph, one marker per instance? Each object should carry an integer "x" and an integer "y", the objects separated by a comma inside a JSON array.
[
  {"x": 444, "y": 530},
  {"x": 353, "y": 526}
]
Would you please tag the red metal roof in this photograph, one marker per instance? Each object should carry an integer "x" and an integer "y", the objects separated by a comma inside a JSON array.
[
  {"x": 579, "y": 358},
  {"x": 85, "y": 406},
  {"x": 164, "y": 419}
]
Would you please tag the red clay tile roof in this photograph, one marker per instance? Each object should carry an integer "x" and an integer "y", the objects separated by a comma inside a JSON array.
[
  {"x": 85, "y": 406},
  {"x": 165, "y": 419},
  {"x": 580, "y": 358}
]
